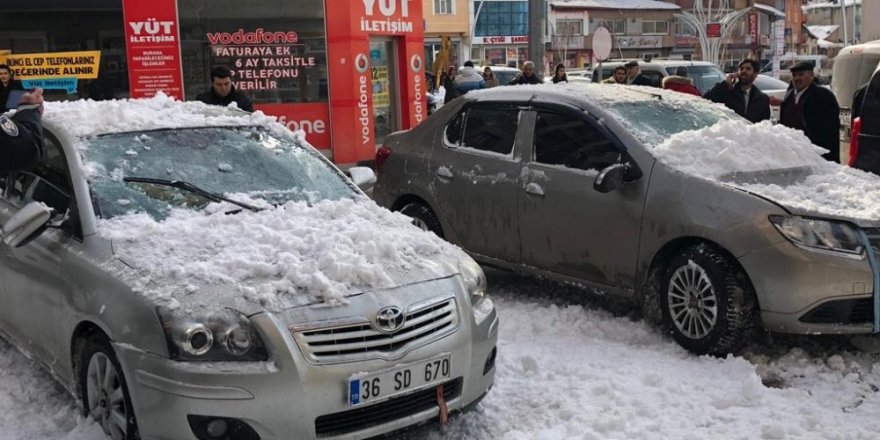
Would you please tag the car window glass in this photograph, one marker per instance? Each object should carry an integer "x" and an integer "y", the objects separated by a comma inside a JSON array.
[
  {"x": 49, "y": 182},
  {"x": 453, "y": 130},
  {"x": 655, "y": 77},
  {"x": 572, "y": 142},
  {"x": 491, "y": 129}
]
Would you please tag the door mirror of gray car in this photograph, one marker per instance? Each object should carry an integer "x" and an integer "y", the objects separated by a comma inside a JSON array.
[
  {"x": 610, "y": 178},
  {"x": 27, "y": 224},
  {"x": 363, "y": 177}
]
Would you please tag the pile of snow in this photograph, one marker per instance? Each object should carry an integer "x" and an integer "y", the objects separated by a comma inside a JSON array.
[
  {"x": 87, "y": 118},
  {"x": 729, "y": 149},
  {"x": 290, "y": 255}
]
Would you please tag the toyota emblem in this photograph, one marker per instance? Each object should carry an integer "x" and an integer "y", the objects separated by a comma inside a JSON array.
[{"x": 390, "y": 319}]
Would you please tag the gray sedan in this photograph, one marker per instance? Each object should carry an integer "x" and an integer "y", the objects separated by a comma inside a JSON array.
[
  {"x": 577, "y": 183},
  {"x": 194, "y": 272}
]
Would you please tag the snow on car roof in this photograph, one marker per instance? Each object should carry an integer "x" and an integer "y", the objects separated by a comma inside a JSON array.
[{"x": 86, "y": 118}]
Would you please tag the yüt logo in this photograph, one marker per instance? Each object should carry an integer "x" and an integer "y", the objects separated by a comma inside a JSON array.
[
  {"x": 361, "y": 63},
  {"x": 390, "y": 319},
  {"x": 151, "y": 27},
  {"x": 415, "y": 63}
]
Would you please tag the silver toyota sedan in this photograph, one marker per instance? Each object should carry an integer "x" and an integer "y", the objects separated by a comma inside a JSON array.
[
  {"x": 195, "y": 272},
  {"x": 715, "y": 226}
]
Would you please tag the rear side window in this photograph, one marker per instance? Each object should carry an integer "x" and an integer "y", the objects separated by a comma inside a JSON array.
[
  {"x": 491, "y": 128},
  {"x": 572, "y": 142}
]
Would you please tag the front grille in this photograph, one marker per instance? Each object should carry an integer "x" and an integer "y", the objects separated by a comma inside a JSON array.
[
  {"x": 388, "y": 411},
  {"x": 350, "y": 342},
  {"x": 844, "y": 311}
]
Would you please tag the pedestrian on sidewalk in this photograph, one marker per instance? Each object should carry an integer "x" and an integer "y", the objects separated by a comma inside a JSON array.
[
  {"x": 489, "y": 77},
  {"x": 680, "y": 82},
  {"x": 527, "y": 76},
  {"x": 618, "y": 77},
  {"x": 448, "y": 82},
  {"x": 559, "y": 74},
  {"x": 223, "y": 91},
  {"x": 469, "y": 79},
  {"x": 8, "y": 83},
  {"x": 21, "y": 136},
  {"x": 739, "y": 93},
  {"x": 813, "y": 109},
  {"x": 634, "y": 75}
]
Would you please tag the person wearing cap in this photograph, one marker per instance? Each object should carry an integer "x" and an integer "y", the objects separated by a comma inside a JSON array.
[
  {"x": 739, "y": 93},
  {"x": 680, "y": 82},
  {"x": 634, "y": 75},
  {"x": 223, "y": 91},
  {"x": 812, "y": 109},
  {"x": 469, "y": 79},
  {"x": 21, "y": 135}
]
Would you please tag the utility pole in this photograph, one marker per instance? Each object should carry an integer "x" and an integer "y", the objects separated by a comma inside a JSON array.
[{"x": 536, "y": 35}]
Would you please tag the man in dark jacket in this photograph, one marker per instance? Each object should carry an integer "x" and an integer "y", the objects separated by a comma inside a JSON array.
[
  {"x": 223, "y": 92},
  {"x": 739, "y": 93},
  {"x": 813, "y": 109},
  {"x": 634, "y": 75},
  {"x": 8, "y": 83},
  {"x": 21, "y": 136},
  {"x": 527, "y": 76}
]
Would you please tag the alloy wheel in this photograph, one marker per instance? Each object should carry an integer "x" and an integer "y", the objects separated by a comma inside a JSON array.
[
  {"x": 693, "y": 305},
  {"x": 106, "y": 400}
]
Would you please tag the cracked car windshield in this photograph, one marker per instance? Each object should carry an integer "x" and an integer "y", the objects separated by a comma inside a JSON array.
[
  {"x": 243, "y": 164},
  {"x": 653, "y": 122}
]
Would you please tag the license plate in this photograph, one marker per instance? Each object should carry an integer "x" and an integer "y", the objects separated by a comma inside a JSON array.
[{"x": 389, "y": 383}]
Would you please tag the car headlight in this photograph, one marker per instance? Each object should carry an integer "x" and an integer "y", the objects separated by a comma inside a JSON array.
[
  {"x": 222, "y": 336},
  {"x": 475, "y": 283},
  {"x": 820, "y": 235}
]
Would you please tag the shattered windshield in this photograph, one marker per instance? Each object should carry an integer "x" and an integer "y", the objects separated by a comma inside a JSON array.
[{"x": 244, "y": 164}]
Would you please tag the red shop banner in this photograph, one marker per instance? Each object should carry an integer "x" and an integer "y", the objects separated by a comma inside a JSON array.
[{"x": 152, "y": 42}]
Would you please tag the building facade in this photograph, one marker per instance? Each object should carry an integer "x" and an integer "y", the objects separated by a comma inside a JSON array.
[
  {"x": 448, "y": 18},
  {"x": 832, "y": 26},
  {"x": 500, "y": 36},
  {"x": 346, "y": 76}
]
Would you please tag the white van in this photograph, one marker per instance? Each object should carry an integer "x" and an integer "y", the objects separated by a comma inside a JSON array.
[{"x": 852, "y": 69}]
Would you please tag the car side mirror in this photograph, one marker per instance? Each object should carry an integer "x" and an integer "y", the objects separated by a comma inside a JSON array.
[
  {"x": 27, "y": 224},
  {"x": 363, "y": 177},
  {"x": 610, "y": 178}
]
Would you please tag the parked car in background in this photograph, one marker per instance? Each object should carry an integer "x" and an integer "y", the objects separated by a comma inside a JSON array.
[
  {"x": 197, "y": 272},
  {"x": 704, "y": 74},
  {"x": 853, "y": 68},
  {"x": 659, "y": 196},
  {"x": 775, "y": 89},
  {"x": 504, "y": 74},
  {"x": 865, "y": 148}
]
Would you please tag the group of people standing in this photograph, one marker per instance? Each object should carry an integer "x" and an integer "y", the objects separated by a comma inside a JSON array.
[{"x": 458, "y": 82}]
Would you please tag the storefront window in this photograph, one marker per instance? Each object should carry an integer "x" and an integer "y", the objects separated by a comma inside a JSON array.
[
  {"x": 275, "y": 49},
  {"x": 495, "y": 18}
]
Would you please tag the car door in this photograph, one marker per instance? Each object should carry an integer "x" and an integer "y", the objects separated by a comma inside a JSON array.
[
  {"x": 566, "y": 226},
  {"x": 34, "y": 288},
  {"x": 475, "y": 176}
]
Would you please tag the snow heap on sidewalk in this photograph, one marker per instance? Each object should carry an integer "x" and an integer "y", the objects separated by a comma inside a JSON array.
[{"x": 729, "y": 151}]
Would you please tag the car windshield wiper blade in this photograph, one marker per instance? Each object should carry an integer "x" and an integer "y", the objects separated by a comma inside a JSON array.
[{"x": 186, "y": 186}]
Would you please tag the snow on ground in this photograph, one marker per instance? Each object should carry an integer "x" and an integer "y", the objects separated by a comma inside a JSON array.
[{"x": 572, "y": 367}]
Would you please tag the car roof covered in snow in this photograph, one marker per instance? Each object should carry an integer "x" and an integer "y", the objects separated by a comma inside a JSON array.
[{"x": 88, "y": 118}]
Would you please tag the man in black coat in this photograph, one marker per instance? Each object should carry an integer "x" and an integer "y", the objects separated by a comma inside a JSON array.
[
  {"x": 528, "y": 75},
  {"x": 634, "y": 75},
  {"x": 813, "y": 109},
  {"x": 223, "y": 92},
  {"x": 21, "y": 136},
  {"x": 739, "y": 93}
]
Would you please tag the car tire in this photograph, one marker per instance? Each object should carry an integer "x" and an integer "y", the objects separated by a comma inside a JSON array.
[
  {"x": 708, "y": 304},
  {"x": 103, "y": 390},
  {"x": 423, "y": 217}
]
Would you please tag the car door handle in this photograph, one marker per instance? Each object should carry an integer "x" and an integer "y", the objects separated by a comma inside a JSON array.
[
  {"x": 444, "y": 173},
  {"x": 535, "y": 189}
]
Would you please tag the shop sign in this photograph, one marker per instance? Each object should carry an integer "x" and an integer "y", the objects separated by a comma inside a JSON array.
[
  {"x": 259, "y": 59},
  {"x": 381, "y": 87},
  {"x": 387, "y": 17},
  {"x": 517, "y": 39},
  {"x": 55, "y": 70},
  {"x": 686, "y": 40},
  {"x": 648, "y": 42},
  {"x": 713, "y": 30},
  {"x": 152, "y": 42},
  {"x": 753, "y": 27},
  {"x": 312, "y": 118}
]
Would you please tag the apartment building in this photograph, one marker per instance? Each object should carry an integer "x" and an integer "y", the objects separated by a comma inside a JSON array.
[{"x": 450, "y": 18}]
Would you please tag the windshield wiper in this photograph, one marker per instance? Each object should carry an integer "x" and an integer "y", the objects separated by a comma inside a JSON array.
[{"x": 186, "y": 186}]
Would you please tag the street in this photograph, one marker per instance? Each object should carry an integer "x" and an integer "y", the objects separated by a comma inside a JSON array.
[{"x": 573, "y": 364}]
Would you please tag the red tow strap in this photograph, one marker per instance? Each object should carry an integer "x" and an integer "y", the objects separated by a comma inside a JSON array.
[{"x": 441, "y": 402}]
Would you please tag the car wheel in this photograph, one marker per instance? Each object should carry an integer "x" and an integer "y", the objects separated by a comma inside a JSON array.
[
  {"x": 423, "y": 217},
  {"x": 708, "y": 304},
  {"x": 103, "y": 390}
]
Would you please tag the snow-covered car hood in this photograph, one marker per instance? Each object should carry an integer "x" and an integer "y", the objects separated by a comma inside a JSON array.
[
  {"x": 275, "y": 259},
  {"x": 778, "y": 164}
]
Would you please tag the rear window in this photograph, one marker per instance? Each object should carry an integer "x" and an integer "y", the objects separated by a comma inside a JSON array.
[
  {"x": 850, "y": 73},
  {"x": 704, "y": 77}
]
